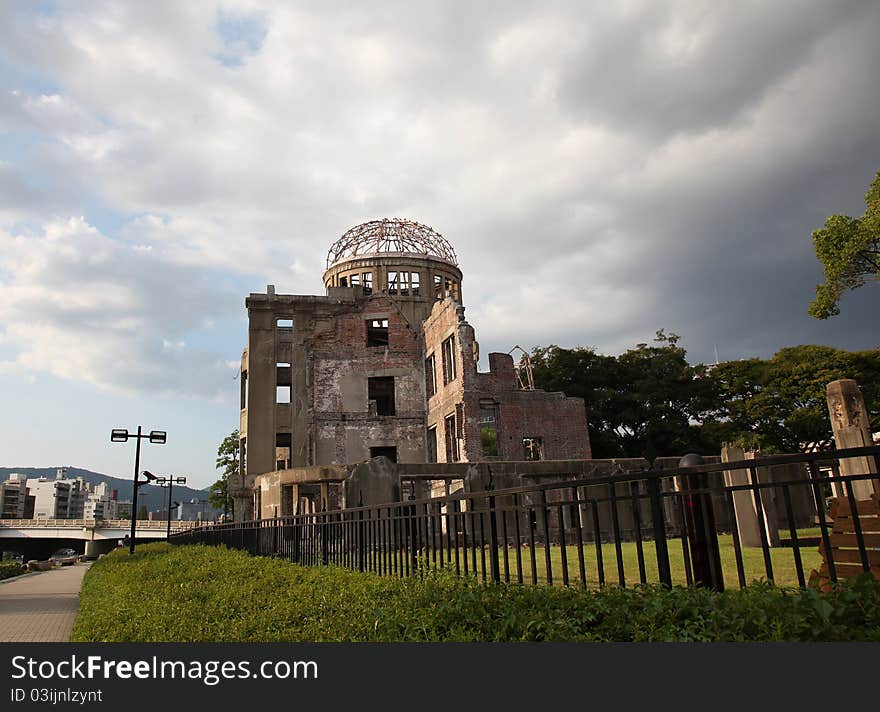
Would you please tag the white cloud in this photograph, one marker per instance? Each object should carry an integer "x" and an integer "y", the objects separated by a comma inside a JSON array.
[
  {"x": 84, "y": 307},
  {"x": 581, "y": 161}
]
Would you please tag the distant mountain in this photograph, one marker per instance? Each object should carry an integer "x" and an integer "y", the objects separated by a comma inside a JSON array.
[{"x": 154, "y": 497}]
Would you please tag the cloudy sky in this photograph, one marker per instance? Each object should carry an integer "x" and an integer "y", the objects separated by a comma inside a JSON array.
[{"x": 602, "y": 169}]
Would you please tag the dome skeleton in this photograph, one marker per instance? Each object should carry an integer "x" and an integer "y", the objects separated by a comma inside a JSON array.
[{"x": 391, "y": 236}]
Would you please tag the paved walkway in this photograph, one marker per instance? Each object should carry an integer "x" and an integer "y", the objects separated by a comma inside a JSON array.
[{"x": 41, "y": 607}]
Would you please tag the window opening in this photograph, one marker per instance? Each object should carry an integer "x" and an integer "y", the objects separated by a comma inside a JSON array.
[
  {"x": 381, "y": 390},
  {"x": 430, "y": 378},
  {"x": 533, "y": 449},
  {"x": 282, "y": 451},
  {"x": 377, "y": 332},
  {"x": 448, "y": 349},
  {"x": 384, "y": 451},
  {"x": 432, "y": 444},
  {"x": 451, "y": 439},
  {"x": 489, "y": 429}
]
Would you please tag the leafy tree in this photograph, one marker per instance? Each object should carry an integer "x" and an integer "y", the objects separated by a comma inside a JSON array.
[
  {"x": 664, "y": 399},
  {"x": 647, "y": 399},
  {"x": 780, "y": 405},
  {"x": 228, "y": 464},
  {"x": 849, "y": 250},
  {"x": 650, "y": 398}
]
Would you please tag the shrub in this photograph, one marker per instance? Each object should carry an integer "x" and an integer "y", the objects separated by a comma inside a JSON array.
[
  {"x": 198, "y": 593},
  {"x": 8, "y": 569}
]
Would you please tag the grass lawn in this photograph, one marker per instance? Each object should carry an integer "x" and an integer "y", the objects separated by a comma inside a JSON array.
[
  {"x": 782, "y": 563},
  {"x": 203, "y": 593}
]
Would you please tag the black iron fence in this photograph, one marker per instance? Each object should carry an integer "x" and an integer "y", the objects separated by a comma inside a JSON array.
[{"x": 779, "y": 518}]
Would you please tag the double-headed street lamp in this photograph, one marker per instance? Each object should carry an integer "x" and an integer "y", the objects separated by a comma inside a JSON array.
[
  {"x": 162, "y": 481},
  {"x": 119, "y": 435}
]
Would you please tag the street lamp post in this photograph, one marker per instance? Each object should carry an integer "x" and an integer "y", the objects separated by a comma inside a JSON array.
[
  {"x": 162, "y": 481},
  {"x": 120, "y": 435}
]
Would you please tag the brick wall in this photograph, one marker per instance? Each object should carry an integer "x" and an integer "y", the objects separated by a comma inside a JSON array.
[{"x": 560, "y": 422}]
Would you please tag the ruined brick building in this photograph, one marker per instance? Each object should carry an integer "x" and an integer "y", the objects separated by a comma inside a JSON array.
[{"x": 384, "y": 364}]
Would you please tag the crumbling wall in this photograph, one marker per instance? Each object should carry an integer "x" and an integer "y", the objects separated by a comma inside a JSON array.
[{"x": 559, "y": 422}]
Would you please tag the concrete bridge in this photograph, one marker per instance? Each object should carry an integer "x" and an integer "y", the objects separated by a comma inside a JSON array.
[{"x": 40, "y": 538}]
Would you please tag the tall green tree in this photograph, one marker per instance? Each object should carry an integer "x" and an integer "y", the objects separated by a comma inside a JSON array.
[
  {"x": 849, "y": 250},
  {"x": 780, "y": 404},
  {"x": 228, "y": 463},
  {"x": 648, "y": 399}
]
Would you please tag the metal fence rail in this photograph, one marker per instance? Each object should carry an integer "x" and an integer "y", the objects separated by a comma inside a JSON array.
[{"x": 682, "y": 526}]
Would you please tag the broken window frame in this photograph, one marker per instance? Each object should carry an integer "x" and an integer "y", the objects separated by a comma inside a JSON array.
[
  {"x": 377, "y": 333},
  {"x": 284, "y": 323},
  {"x": 431, "y": 444},
  {"x": 533, "y": 449},
  {"x": 447, "y": 350},
  {"x": 438, "y": 287},
  {"x": 368, "y": 282},
  {"x": 451, "y": 288},
  {"x": 381, "y": 389},
  {"x": 244, "y": 389},
  {"x": 449, "y": 429},
  {"x": 430, "y": 376},
  {"x": 283, "y": 441},
  {"x": 390, "y": 451},
  {"x": 489, "y": 439}
]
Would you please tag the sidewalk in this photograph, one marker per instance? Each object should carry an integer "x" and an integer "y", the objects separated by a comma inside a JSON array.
[{"x": 41, "y": 607}]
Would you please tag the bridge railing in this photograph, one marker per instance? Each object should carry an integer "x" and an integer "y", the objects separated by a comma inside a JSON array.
[{"x": 161, "y": 524}]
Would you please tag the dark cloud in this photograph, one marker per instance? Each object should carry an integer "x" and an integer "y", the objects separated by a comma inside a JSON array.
[{"x": 689, "y": 67}]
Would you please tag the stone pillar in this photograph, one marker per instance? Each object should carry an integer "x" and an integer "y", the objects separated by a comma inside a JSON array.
[
  {"x": 852, "y": 428},
  {"x": 372, "y": 482},
  {"x": 242, "y": 497},
  {"x": 745, "y": 508},
  {"x": 769, "y": 509}
]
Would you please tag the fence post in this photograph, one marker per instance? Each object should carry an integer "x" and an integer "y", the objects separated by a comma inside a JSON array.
[
  {"x": 700, "y": 524},
  {"x": 413, "y": 531},
  {"x": 493, "y": 538},
  {"x": 325, "y": 550},
  {"x": 658, "y": 523},
  {"x": 362, "y": 544}
]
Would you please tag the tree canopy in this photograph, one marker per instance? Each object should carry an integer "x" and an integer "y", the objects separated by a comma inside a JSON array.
[
  {"x": 643, "y": 401},
  {"x": 849, "y": 250},
  {"x": 650, "y": 400},
  {"x": 779, "y": 405}
]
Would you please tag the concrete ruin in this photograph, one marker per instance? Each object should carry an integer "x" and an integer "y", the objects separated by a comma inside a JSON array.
[{"x": 384, "y": 364}]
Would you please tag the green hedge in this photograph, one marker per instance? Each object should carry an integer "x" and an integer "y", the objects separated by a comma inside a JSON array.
[
  {"x": 196, "y": 593},
  {"x": 8, "y": 569}
]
